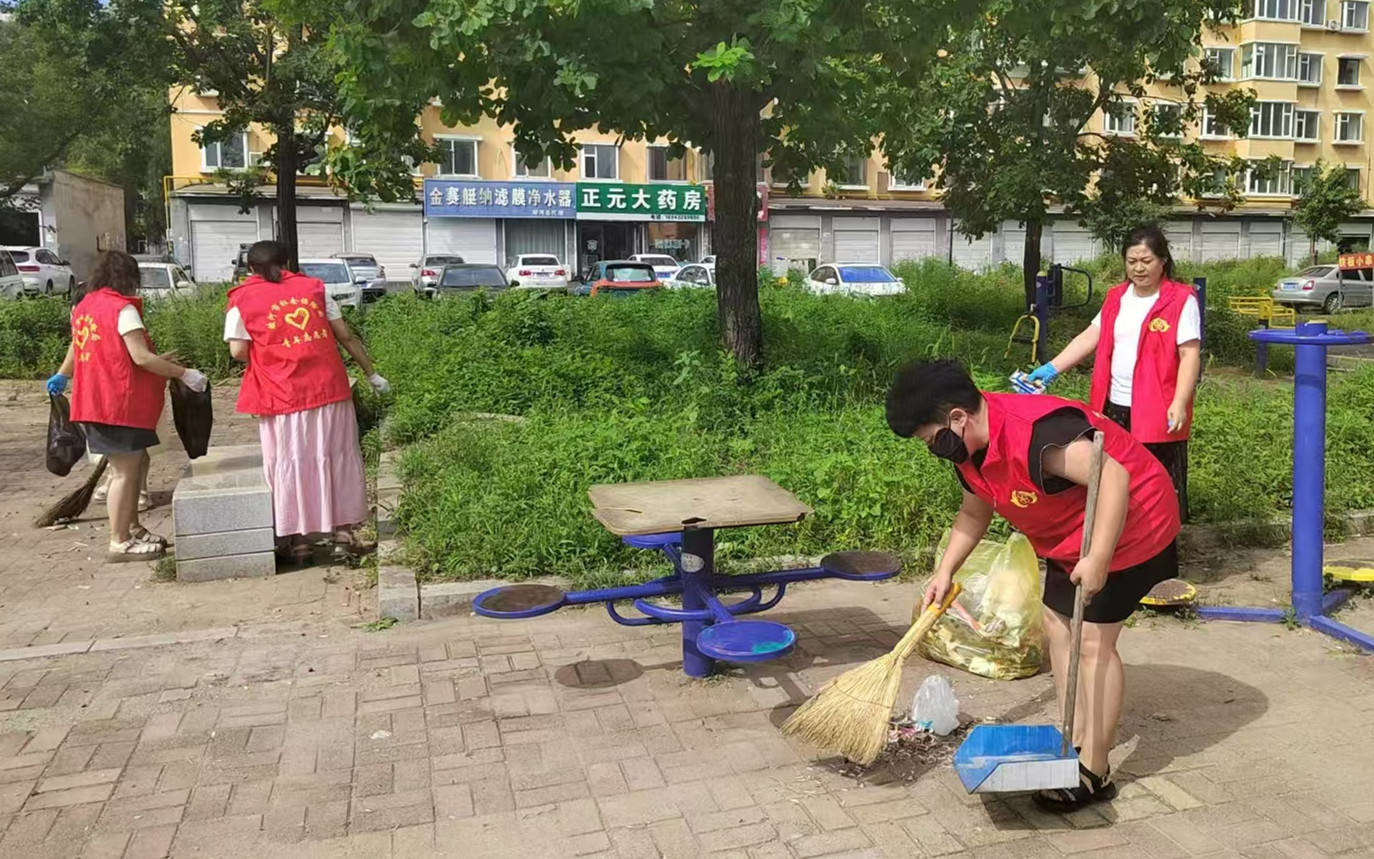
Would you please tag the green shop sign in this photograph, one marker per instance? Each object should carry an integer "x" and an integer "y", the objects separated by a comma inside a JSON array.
[{"x": 613, "y": 201}]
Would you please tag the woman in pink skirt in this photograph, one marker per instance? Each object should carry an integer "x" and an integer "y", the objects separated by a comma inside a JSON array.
[{"x": 287, "y": 330}]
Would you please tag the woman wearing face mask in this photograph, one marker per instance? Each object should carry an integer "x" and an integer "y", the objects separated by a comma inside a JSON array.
[
  {"x": 1029, "y": 459},
  {"x": 1146, "y": 369}
]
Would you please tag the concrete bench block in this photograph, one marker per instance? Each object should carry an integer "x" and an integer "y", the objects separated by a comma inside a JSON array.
[
  {"x": 249, "y": 541},
  {"x": 230, "y": 501},
  {"x": 397, "y": 594},
  {"x": 255, "y": 565},
  {"x": 231, "y": 457}
]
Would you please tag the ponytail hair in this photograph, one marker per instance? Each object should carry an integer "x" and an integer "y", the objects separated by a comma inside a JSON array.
[{"x": 268, "y": 260}]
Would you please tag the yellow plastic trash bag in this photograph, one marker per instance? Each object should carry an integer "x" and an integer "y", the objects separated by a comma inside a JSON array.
[{"x": 996, "y": 627}]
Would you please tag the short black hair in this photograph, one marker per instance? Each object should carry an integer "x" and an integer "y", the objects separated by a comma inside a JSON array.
[
  {"x": 1153, "y": 238},
  {"x": 267, "y": 259},
  {"x": 925, "y": 391}
]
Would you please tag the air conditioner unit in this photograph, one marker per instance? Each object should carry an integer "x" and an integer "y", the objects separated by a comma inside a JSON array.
[{"x": 1333, "y": 25}]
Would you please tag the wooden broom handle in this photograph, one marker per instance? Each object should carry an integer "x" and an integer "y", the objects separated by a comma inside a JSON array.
[
  {"x": 1076, "y": 627},
  {"x": 926, "y": 621}
]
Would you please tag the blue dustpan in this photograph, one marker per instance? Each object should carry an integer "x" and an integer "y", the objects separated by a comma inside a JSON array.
[{"x": 998, "y": 758}]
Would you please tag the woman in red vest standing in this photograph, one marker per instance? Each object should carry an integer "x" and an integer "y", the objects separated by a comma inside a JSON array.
[
  {"x": 1146, "y": 368},
  {"x": 1029, "y": 459},
  {"x": 288, "y": 330},
  {"x": 117, "y": 393}
]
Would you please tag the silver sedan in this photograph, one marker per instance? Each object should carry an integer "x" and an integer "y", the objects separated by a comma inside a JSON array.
[{"x": 1325, "y": 287}]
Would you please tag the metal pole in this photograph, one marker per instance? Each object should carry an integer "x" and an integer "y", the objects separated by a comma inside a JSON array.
[
  {"x": 1309, "y": 471},
  {"x": 698, "y": 569},
  {"x": 1042, "y": 313}
]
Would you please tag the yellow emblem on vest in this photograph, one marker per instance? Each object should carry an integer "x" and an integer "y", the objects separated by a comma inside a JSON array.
[
  {"x": 1159, "y": 325},
  {"x": 1024, "y": 498}
]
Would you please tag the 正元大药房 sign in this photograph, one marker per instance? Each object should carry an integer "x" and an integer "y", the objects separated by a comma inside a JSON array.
[
  {"x": 472, "y": 198},
  {"x": 614, "y": 201}
]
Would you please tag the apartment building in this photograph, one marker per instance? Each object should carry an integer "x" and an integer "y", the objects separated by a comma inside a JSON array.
[{"x": 1307, "y": 60}]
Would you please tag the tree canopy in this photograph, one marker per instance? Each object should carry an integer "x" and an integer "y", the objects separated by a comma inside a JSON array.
[{"x": 1327, "y": 198}]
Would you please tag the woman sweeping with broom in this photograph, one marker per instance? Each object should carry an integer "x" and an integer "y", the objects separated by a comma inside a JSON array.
[{"x": 1029, "y": 459}]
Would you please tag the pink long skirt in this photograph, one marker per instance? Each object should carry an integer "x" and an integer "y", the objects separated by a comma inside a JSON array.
[{"x": 315, "y": 469}]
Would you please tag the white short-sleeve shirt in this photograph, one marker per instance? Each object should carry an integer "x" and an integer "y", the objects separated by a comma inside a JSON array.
[
  {"x": 234, "y": 329},
  {"x": 129, "y": 320},
  {"x": 1134, "y": 310}
]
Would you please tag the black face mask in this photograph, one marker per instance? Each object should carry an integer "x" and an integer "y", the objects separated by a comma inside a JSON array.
[{"x": 949, "y": 445}]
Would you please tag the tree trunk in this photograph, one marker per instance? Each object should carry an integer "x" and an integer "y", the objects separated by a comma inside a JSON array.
[
  {"x": 286, "y": 192},
  {"x": 736, "y": 150},
  {"x": 1030, "y": 258},
  {"x": 1312, "y": 248}
]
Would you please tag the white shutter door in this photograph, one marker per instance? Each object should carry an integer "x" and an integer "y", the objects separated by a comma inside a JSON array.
[
  {"x": 473, "y": 239},
  {"x": 797, "y": 247},
  {"x": 1013, "y": 242},
  {"x": 972, "y": 254},
  {"x": 1220, "y": 241},
  {"x": 857, "y": 246},
  {"x": 1073, "y": 244},
  {"x": 1266, "y": 240},
  {"x": 395, "y": 238},
  {"x": 215, "y": 244},
  {"x": 913, "y": 239},
  {"x": 1180, "y": 236},
  {"x": 319, "y": 239}
]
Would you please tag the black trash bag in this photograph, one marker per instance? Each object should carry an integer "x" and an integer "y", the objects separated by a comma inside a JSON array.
[
  {"x": 192, "y": 415},
  {"x": 66, "y": 440}
]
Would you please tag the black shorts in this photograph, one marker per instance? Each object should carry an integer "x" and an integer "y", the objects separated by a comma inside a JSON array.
[
  {"x": 1173, "y": 455},
  {"x": 1119, "y": 597},
  {"x": 109, "y": 438}
]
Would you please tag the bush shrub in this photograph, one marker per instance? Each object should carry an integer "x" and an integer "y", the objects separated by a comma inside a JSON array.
[{"x": 34, "y": 335}]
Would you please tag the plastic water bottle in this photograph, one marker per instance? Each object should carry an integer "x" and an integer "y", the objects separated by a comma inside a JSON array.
[{"x": 935, "y": 708}]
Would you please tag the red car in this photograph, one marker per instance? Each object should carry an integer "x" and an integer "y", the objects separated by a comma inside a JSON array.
[{"x": 622, "y": 277}]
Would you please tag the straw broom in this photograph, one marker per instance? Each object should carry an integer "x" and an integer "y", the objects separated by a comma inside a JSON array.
[
  {"x": 850, "y": 714},
  {"x": 74, "y": 504}
]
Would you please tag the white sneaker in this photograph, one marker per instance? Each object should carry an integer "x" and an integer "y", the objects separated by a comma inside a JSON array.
[
  {"x": 101, "y": 492},
  {"x": 144, "y": 502}
]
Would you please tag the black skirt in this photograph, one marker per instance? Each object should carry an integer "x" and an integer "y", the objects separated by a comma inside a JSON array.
[
  {"x": 1119, "y": 597},
  {"x": 109, "y": 438},
  {"x": 1173, "y": 455}
]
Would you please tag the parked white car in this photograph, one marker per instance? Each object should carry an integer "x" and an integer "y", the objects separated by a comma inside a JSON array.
[
  {"x": 44, "y": 272},
  {"x": 854, "y": 279},
  {"x": 709, "y": 261},
  {"x": 537, "y": 271},
  {"x": 664, "y": 265},
  {"x": 11, "y": 281},
  {"x": 694, "y": 275},
  {"x": 424, "y": 275},
  {"x": 340, "y": 283},
  {"x": 164, "y": 280}
]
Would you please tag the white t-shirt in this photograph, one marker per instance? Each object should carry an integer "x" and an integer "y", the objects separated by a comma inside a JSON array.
[
  {"x": 128, "y": 320},
  {"x": 1134, "y": 310},
  {"x": 234, "y": 329}
]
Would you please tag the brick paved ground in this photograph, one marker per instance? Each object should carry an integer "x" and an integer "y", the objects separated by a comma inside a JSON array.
[{"x": 257, "y": 719}]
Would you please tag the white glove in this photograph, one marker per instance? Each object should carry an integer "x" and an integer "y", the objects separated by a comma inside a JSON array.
[
  {"x": 195, "y": 380},
  {"x": 380, "y": 385}
]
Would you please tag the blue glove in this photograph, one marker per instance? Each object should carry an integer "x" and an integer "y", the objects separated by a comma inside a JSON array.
[
  {"x": 1044, "y": 374},
  {"x": 57, "y": 383}
]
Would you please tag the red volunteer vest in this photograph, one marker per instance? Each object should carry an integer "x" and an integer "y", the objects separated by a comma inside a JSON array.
[
  {"x": 294, "y": 363},
  {"x": 107, "y": 386},
  {"x": 1156, "y": 366},
  {"x": 1054, "y": 523}
]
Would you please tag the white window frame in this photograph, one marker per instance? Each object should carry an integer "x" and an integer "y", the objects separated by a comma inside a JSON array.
[
  {"x": 206, "y": 167},
  {"x": 1229, "y": 51},
  {"x": 1285, "y": 188},
  {"x": 1301, "y": 169},
  {"x": 1314, "y": 59},
  {"x": 1336, "y": 139},
  {"x": 863, "y": 186},
  {"x": 476, "y": 155},
  {"x": 1316, "y": 131},
  {"x": 1171, "y": 105},
  {"x": 1305, "y": 9},
  {"x": 895, "y": 183},
  {"x": 515, "y": 164},
  {"x": 1359, "y": 72},
  {"x": 1204, "y": 134},
  {"x": 1257, "y": 114},
  {"x": 1256, "y": 16},
  {"x": 1358, "y": 174},
  {"x": 1129, "y": 115},
  {"x": 582, "y": 154},
  {"x": 1347, "y": 6},
  {"x": 683, "y": 158},
  {"x": 1281, "y": 57}
]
